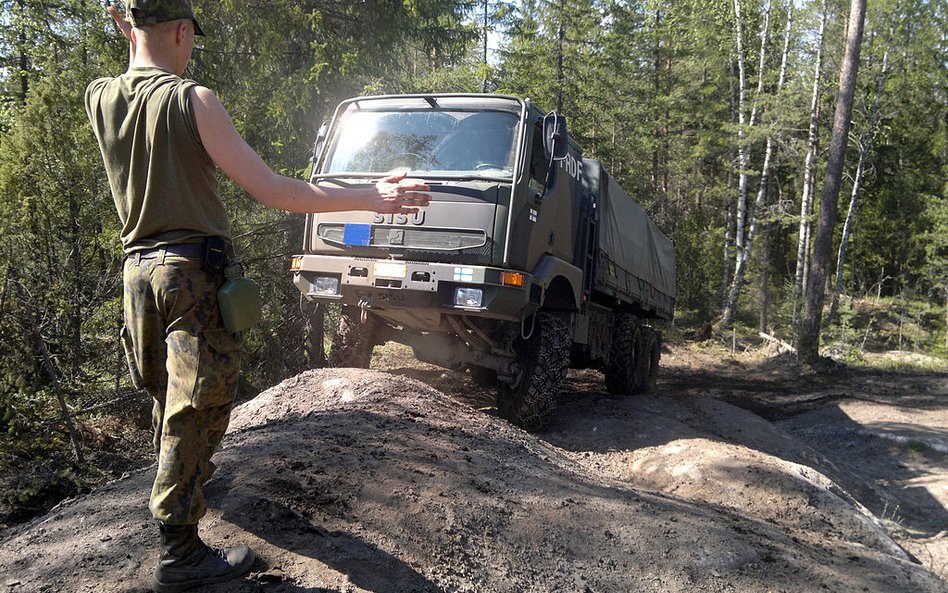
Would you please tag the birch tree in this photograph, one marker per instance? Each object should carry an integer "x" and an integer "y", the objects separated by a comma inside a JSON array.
[
  {"x": 809, "y": 331},
  {"x": 865, "y": 149},
  {"x": 809, "y": 165},
  {"x": 729, "y": 201},
  {"x": 743, "y": 252},
  {"x": 743, "y": 158}
]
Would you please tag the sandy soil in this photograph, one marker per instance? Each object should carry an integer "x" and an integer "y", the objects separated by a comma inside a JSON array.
[{"x": 736, "y": 475}]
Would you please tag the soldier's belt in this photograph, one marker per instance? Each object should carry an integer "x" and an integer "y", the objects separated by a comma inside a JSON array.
[{"x": 189, "y": 250}]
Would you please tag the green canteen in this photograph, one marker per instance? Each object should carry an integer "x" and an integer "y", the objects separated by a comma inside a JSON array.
[{"x": 239, "y": 300}]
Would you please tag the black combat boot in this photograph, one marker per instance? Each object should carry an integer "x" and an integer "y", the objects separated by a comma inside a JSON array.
[{"x": 187, "y": 562}]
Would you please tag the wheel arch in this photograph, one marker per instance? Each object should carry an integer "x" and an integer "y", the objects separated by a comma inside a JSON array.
[{"x": 560, "y": 283}]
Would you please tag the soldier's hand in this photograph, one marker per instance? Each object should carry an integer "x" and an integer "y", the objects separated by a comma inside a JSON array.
[
  {"x": 399, "y": 195},
  {"x": 124, "y": 26}
]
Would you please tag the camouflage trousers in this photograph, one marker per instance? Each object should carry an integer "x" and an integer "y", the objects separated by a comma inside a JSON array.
[{"x": 180, "y": 353}]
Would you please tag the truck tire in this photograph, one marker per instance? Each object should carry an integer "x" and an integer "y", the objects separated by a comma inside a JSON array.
[
  {"x": 651, "y": 356},
  {"x": 624, "y": 374},
  {"x": 543, "y": 360},
  {"x": 354, "y": 339}
]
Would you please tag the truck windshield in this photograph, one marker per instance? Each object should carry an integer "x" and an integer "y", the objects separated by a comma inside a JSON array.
[{"x": 437, "y": 143}]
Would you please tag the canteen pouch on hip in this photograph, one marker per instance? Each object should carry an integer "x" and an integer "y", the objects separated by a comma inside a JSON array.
[
  {"x": 215, "y": 253},
  {"x": 238, "y": 299}
]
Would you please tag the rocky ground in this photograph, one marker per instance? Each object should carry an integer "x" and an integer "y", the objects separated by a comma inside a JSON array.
[{"x": 737, "y": 474}]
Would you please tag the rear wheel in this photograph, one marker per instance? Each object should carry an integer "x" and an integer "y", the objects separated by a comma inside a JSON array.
[
  {"x": 624, "y": 374},
  {"x": 651, "y": 356},
  {"x": 354, "y": 339},
  {"x": 543, "y": 360}
]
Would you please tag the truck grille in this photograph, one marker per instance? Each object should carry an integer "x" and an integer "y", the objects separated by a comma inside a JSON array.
[{"x": 422, "y": 239}]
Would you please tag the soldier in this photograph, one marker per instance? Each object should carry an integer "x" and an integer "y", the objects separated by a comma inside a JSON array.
[{"x": 161, "y": 137}]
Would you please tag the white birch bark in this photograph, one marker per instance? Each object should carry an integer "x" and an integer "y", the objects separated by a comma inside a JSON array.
[
  {"x": 729, "y": 221},
  {"x": 809, "y": 174},
  {"x": 743, "y": 158},
  {"x": 865, "y": 148},
  {"x": 847, "y": 231},
  {"x": 744, "y": 250},
  {"x": 764, "y": 36}
]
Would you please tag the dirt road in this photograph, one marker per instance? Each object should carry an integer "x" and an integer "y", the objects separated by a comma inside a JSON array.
[{"x": 733, "y": 476}]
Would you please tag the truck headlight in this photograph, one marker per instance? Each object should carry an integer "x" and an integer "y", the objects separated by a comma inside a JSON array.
[
  {"x": 468, "y": 297},
  {"x": 326, "y": 285}
]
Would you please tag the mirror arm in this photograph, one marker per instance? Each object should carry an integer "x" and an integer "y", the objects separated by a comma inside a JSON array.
[{"x": 319, "y": 145}]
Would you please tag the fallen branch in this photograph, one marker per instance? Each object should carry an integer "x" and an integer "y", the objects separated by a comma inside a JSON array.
[{"x": 782, "y": 346}]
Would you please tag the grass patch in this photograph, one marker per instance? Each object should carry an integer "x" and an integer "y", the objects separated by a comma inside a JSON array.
[{"x": 916, "y": 362}]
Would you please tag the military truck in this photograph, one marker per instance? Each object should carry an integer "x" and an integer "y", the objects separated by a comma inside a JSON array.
[{"x": 528, "y": 260}]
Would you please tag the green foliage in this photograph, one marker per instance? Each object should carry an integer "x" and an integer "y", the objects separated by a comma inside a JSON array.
[
  {"x": 900, "y": 323},
  {"x": 906, "y": 179},
  {"x": 55, "y": 216}
]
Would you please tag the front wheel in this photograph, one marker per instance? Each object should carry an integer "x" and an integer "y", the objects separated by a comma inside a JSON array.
[
  {"x": 543, "y": 360},
  {"x": 354, "y": 339}
]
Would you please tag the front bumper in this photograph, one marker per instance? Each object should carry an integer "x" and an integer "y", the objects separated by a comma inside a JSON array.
[{"x": 392, "y": 284}]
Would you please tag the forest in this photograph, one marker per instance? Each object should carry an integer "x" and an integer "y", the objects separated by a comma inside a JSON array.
[{"x": 717, "y": 116}]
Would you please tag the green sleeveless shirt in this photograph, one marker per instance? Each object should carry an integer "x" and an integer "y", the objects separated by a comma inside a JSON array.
[{"x": 163, "y": 181}]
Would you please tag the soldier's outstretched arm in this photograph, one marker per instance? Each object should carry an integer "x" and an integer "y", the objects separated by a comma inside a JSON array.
[
  {"x": 393, "y": 194},
  {"x": 126, "y": 28}
]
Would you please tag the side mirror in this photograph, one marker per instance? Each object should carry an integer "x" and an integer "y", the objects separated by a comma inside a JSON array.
[
  {"x": 320, "y": 144},
  {"x": 555, "y": 136}
]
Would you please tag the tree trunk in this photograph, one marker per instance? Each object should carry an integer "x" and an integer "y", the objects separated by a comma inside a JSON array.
[
  {"x": 768, "y": 234},
  {"x": 847, "y": 231},
  {"x": 75, "y": 264},
  {"x": 809, "y": 181},
  {"x": 865, "y": 148},
  {"x": 484, "y": 86},
  {"x": 615, "y": 133},
  {"x": 743, "y": 158},
  {"x": 809, "y": 332},
  {"x": 743, "y": 255},
  {"x": 765, "y": 279},
  {"x": 762, "y": 63},
  {"x": 729, "y": 221},
  {"x": 743, "y": 149},
  {"x": 728, "y": 234},
  {"x": 24, "y": 59},
  {"x": 744, "y": 251},
  {"x": 660, "y": 131}
]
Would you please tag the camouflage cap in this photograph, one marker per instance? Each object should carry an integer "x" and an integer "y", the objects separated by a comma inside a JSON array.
[{"x": 151, "y": 12}]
